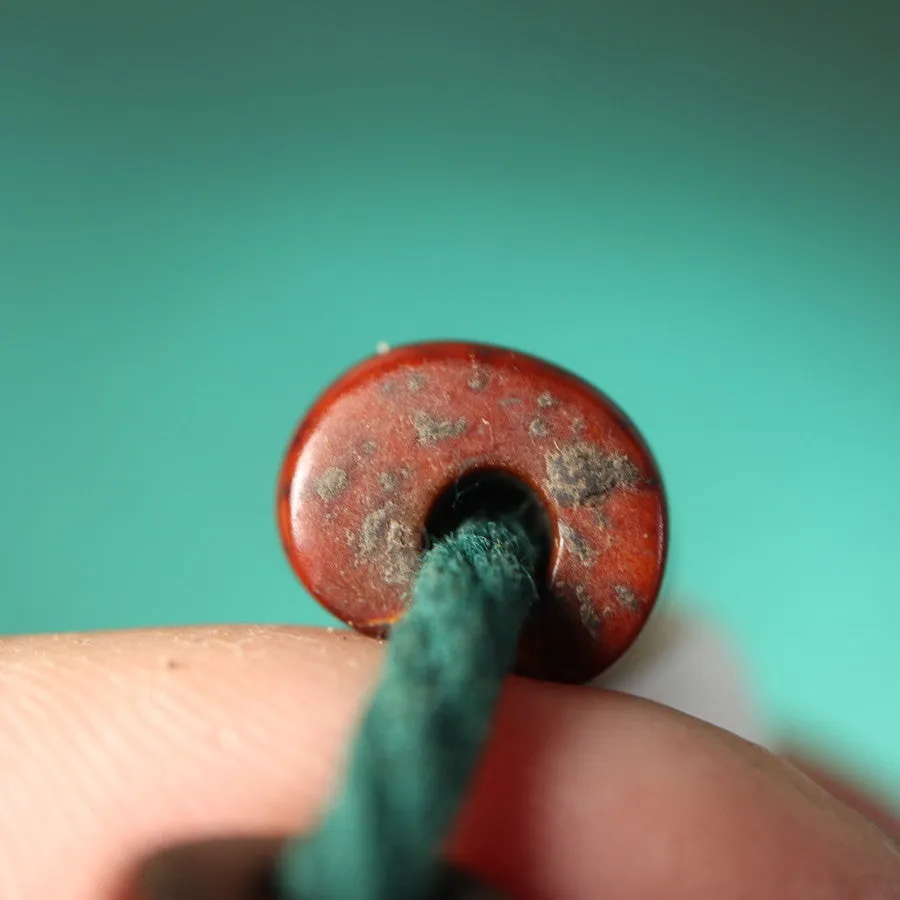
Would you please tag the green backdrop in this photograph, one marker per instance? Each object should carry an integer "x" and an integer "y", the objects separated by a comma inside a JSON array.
[{"x": 207, "y": 210}]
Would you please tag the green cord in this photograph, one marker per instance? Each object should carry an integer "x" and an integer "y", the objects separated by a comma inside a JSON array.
[{"x": 428, "y": 721}]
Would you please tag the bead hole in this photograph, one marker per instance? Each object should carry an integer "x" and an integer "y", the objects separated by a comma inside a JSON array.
[{"x": 489, "y": 493}]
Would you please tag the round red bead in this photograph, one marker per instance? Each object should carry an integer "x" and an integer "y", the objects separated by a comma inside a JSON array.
[{"x": 387, "y": 442}]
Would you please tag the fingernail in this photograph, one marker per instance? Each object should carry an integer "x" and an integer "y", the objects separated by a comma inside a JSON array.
[
  {"x": 244, "y": 869},
  {"x": 226, "y": 869}
]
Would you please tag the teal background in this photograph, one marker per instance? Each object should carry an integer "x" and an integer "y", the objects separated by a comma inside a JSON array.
[{"x": 208, "y": 210}]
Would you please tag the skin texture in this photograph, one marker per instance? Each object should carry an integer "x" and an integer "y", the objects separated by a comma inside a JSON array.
[{"x": 112, "y": 745}]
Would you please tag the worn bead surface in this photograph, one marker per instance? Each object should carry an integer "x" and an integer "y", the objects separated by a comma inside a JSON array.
[{"x": 404, "y": 439}]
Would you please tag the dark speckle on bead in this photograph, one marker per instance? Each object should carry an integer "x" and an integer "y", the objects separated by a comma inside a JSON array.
[
  {"x": 387, "y": 544},
  {"x": 586, "y": 610},
  {"x": 627, "y": 597},
  {"x": 538, "y": 428},
  {"x": 430, "y": 429},
  {"x": 577, "y": 543},
  {"x": 582, "y": 474},
  {"x": 391, "y": 480},
  {"x": 417, "y": 381},
  {"x": 331, "y": 483},
  {"x": 545, "y": 400},
  {"x": 477, "y": 380}
]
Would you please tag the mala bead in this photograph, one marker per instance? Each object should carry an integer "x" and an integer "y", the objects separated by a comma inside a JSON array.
[{"x": 406, "y": 445}]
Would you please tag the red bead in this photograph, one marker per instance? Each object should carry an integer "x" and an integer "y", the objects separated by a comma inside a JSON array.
[{"x": 388, "y": 447}]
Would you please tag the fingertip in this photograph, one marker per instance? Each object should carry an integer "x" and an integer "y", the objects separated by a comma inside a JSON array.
[
  {"x": 108, "y": 751},
  {"x": 859, "y": 794},
  {"x": 587, "y": 793}
]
